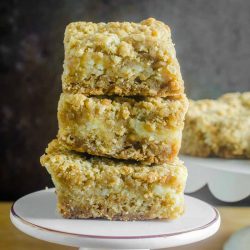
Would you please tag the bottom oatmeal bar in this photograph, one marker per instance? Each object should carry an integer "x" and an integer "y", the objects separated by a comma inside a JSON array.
[
  {"x": 94, "y": 187},
  {"x": 218, "y": 127}
]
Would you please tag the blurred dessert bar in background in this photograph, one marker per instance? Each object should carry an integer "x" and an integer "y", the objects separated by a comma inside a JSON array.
[{"x": 218, "y": 127}]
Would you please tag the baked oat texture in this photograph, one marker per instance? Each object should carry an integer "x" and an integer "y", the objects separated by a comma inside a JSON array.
[
  {"x": 92, "y": 187},
  {"x": 121, "y": 58},
  {"x": 218, "y": 127},
  {"x": 144, "y": 129}
]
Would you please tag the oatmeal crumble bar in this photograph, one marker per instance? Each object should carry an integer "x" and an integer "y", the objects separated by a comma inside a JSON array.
[
  {"x": 144, "y": 129},
  {"x": 218, "y": 127},
  {"x": 124, "y": 58},
  {"x": 93, "y": 187}
]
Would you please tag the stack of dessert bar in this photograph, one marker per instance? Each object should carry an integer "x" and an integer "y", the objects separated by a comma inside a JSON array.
[{"x": 120, "y": 116}]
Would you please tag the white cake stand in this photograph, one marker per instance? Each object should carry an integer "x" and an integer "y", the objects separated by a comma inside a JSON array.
[
  {"x": 35, "y": 214},
  {"x": 228, "y": 180}
]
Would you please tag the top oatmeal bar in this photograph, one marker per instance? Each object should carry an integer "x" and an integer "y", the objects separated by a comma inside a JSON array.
[
  {"x": 124, "y": 58},
  {"x": 218, "y": 127}
]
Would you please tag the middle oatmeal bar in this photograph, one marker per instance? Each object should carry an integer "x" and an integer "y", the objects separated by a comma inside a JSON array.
[
  {"x": 121, "y": 58},
  {"x": 143, "y": 129}
]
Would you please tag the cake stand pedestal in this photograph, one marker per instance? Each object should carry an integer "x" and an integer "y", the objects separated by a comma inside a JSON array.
[
  {"x": 35, "y": 214},
  {"x": 228, "y": 181}
]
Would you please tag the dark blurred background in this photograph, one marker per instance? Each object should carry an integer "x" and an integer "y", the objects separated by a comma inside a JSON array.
[{"x": 212, "y": 40}]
